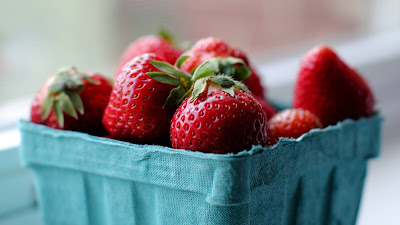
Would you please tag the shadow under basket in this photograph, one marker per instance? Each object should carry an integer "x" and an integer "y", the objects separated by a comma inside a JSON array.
[{"x": 315, "y": 179}]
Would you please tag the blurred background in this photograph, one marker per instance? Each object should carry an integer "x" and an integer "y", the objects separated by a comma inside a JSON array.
[{"x": 38, "y": 37}]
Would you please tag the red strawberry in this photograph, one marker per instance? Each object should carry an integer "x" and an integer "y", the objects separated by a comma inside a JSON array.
[
  {"x": 67, "y": 92},
  {"x": 135, "y": 112},
  {"x": 210, "y": 47},
  {"x": 291, "y": 123},
  {"x": 254, "y": 84},
  {"x": 330, "y": 89},
  {"x": 218, "y": 118},
  {"x": 268, "y": 108},
  {"x": 159, "y": 45}
]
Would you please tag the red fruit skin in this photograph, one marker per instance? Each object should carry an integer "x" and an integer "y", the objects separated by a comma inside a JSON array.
[
  {"x": 330, "y": 89},
  {"x": 254, "y": 84},
  {"x": 218, "y": 123},
  {"x": 268, "y": 108},
  {"x": 94, "y": 98},
  {"x": 149, "y": 44},
  {"x": 291, "y": 123},
  {"x": 135, "y": 112},
  {"x": 207, "y": 48}
]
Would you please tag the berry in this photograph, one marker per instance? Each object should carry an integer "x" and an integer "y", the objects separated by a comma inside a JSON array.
[
  {"x": 158, "y": 45},
  {"x": 268, "y": 108},
  {"x": 330, "y": 89},
  {"x": 254, "y": 84},
  {"x": 207, "y": 48},
  {"x": 291, "y": 123},
  {"x": 135, "y": 112},
  {"x": 218, "y": 119},
  {"x": 70, "y": 92}
]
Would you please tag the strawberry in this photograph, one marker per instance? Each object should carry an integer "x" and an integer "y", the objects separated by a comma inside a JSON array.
[
  {"x": 217, "y": 118},
  {"x": 291, "y": 123},
  {"x": 268, "y": 108},
  {"x": 207, "y": 48},
  {"x": 330, "y": 89},
  {"x": 160, "y": 45},
  {"x": 234, "y": 67},
  {"x": 254, "y": 84},
  {"x": 68, "y": 92},
  {"x": 135, "y": 112}
]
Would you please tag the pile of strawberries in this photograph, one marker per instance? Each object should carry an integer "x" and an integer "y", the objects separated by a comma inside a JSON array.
[{"x": 208, "y": 98}]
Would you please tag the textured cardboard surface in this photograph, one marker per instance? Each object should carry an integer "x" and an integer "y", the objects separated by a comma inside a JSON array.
[{"x": 315, "y": 179}]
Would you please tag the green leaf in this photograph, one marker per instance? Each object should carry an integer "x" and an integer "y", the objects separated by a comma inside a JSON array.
[
  {"x": 203, "y": 74},
  {"x": 164, "y": 78},
  {"x": 165, "y": 67},
  {"x": 223, "y": 81},
  {"x": 193, "y": 70},
  {"x": 46, "y": 106},
  {"x": 228, "y": 66},
  {"x": 66, "y": 69},
  {"x": 241, "y": 86},
  {"x": 167, "y": 36},
  {"x": 233, "y": 60},
  {"x": 175, "y": 96},
  {"x": 186, "y": 81},
  {"x": 66, "y": 105},
  {"x": 227, "y": 69},
  {"x": 187, "y": 94},
  {"x": 230, "y": 90},
  {"x": 76, "y": 100},
  {"x": 204, "y": 68},
  {"x": 59, "y": 114},
  {"x": 58, "y": 84},
  {"x": 242, "y": 73},
  {"x": 181, "y": 60},
  {"x": 88, "y": 78},
  {"x": 199, "y": 86},
  {"x": 75, "y": 82}
]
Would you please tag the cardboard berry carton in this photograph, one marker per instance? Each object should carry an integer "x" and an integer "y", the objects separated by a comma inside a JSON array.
[{"x": 315, "y": 179}]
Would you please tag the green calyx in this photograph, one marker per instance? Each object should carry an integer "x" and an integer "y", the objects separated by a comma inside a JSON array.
[
  {"x": 225, "y": 72},
  {"x": 63, "y": 95},
  {"x": 167, "y": 36},
  {"x": 230, "y": 66},
  {"x": 172, "y": 76},
  {"x": 226, "y": 83}
]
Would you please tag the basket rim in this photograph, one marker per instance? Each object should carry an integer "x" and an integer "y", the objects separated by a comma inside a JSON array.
[{"x": 256, "y": 149}]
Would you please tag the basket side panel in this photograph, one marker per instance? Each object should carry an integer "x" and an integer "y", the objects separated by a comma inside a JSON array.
[
  {"x": 267, "y": 202},
  {"x": 346, "y": 192},
  {"x": 120, "y": 202},
  {"x": 61, "y": 196},
  {"x": 154, "y": 204},
  {"x": 80, "y": 198},
  {"x": 309, "y": 198}
]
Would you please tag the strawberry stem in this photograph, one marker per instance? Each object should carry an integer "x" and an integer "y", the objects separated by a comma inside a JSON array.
[{"x": 63, "y": 95}]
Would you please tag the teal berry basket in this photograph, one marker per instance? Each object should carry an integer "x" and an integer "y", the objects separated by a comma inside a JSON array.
[{"x": 315, "y": 179}]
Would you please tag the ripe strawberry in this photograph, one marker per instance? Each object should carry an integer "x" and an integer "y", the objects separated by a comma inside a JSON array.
[
  {"x": 291, "y": 123},
  {"x": 330, "y": 89},
  {"x": 254, "y": 84},
  {"x": 268, "y": 108},
  {"x": 218, "y": 118},
  {"x": 135, "y": 112},
  {"x": 67, "y": 92},
  {"x": 159, "y": 45},
  {"x": 207, "y": 48}
]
